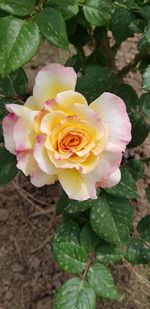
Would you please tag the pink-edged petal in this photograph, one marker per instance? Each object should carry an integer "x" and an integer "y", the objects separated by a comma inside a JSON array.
[
  {"x": 18, "y": 110},
  {"x": 112, "y": 111},
  {"x": 24, "y": 135},
  {"x": 42, "y": 158},
  {"x": 8, "y": 124},
  {"x": 112, "y": 181},
  {"x": 26, "y": 162},
  {"x": 77, "y": 186},
  {"x": 52, "y": 79},
  {"x": 108, "y": 163},
  {"x": 40, "y": 179},
  {"x": 67, "y": 98}
]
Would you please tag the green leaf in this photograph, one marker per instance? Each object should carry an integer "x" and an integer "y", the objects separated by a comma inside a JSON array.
[
  {"x": 145, "y": 12},
  {"x": 72, "y": 258},
  {"x": 136, "y": 168},
  {"x": 143, "y": 228},
  {"x": 109, "y": 254},
  {"x": 52, "y": 26},
  {"x": 20, "y": 40},
  {"x": 128, "y": 94},
  {"x": 98, "y": 57},
  {"x": 137, "y": 26},
  {"x": 146, "y": 78},
  {"x": 111, "y": 219},
  {"x": 139, "y": 252},
  {"x": 147, "y": 33},
  {"x": 148, "y": 193},
  {"x": 79, "y": 37},
  {"x": 120, "y": 24},
  {"x": 72, "y": 206},
  {"x": 58, "y": 3},
  {"x": 101, "y": 281},
  {"x": 18, "y": 7},
  {"x": 95, "y": 81},
  {"x": 143, "y": 44},
  {"x": 144, "y": 102},
  {"x": 66, "y": 248},
  {"x": 67, "y": 231},
  {"x": 88, "y": 238},
  {"x": 1, "y": 134},
  {"x": 77, "y": 62},
  {"x": 8, "y": 168},
  {"x": 126, "y": 188},
  {"x": 15, "y": 84},
  {"x": 75, "y": 294},
  {"x": 97, "y": 13},
  {"x": 70, "y": 11},
  {"x": 138, "y": 125}
]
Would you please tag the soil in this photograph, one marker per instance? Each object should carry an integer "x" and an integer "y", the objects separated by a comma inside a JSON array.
[{"x": 29, "y": 276}]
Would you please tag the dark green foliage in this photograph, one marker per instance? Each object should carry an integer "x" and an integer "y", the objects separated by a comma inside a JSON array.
[
  {"x": 100, "y": 279},
  {"x": 14, "y": 84},
  {"x": 8, "y": 168},
  {"x": 74, "y": 294},
  {"x": 121, "y": 22},
  {"x": 95, "y": 81},
  {"x": 52, "y": 26},
  {"x": 111, "y": 219},
  {"x": 139, "y": 252}
]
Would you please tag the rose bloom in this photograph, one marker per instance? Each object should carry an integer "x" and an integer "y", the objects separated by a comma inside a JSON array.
[{"x": 56, "y": 135}]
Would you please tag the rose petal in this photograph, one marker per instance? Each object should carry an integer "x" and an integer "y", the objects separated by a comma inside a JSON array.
[
  {"x": 112, "y": 111},
  {"x": 42, "y": 158},
  {"x": 32, "y": 103},
  {"x": 67, "y": 98},
  {"x": 18, "y": 110},
  {"x": 77, "y": 186},
  {"x": 39, "y": 178},
  {"x": 108, "y": 163},
  {"x": 50, "y": 120},
  {"x": 8, "y": 124},
  {"x": 51, "y": 80},
  {"x": 112, "y": 181},
  {"x": 26, "y": 162},
  {"x": 24, "y": 135}
]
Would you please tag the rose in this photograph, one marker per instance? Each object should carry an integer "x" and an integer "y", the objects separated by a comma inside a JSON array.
[{"x": 56, "y": 135}]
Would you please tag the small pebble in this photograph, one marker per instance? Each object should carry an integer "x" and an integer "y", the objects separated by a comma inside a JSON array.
[
  {"x": 8, "y": 295},
  {"x": 17, "y": 268},
  {"x": 34, "y": 263}
]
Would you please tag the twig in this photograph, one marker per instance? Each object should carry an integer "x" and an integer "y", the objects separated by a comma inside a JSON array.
[
  {"x": 44, "y": 212},
  {"x": 42, "y": 245},
  {"x": 40, "y": 210},
  {"x": 85, "y": 272},
  {"x": 19, "y": 190},
  {"x": 18, "y": 251},
  {"x": 132, "y": 269}
]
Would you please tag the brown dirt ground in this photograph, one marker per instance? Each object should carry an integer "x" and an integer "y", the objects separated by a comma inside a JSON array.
[{"x": 29, "y": 276}]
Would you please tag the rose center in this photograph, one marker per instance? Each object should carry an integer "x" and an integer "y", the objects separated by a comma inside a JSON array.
[{"x": 70, "y": 140}]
